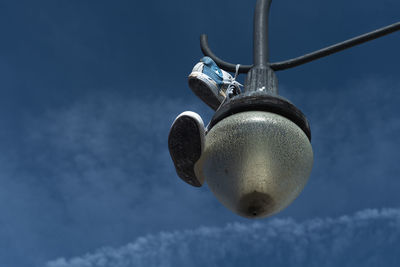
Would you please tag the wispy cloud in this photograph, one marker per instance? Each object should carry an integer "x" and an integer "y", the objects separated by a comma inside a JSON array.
[
  {"x": 100, "y": 168},
  {"x": 367, "y": 238}
]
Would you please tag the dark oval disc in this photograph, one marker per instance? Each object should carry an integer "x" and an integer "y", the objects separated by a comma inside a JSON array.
[{"x": 262, "y": 102}]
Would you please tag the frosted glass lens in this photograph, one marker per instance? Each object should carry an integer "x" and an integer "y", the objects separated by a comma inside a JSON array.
[{"x": 256, "y": 163}]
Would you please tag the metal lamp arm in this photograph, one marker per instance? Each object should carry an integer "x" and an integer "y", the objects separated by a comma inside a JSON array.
[
  {"x": 221, "y": 63},
  {"x": 291, "y": 63},
  {"x": 287, "y": 64}
]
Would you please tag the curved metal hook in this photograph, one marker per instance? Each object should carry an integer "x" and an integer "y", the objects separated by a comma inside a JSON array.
[
  {"x": 221, "y": 63},
  {"x": 291, "y": 63},
  {"x": 260, "y": 44}
]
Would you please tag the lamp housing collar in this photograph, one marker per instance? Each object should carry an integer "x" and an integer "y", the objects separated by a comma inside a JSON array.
[{"x": 261, "y": 101}]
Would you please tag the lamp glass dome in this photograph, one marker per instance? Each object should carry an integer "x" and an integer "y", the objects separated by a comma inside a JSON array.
[{"x": 256, "y": 163}]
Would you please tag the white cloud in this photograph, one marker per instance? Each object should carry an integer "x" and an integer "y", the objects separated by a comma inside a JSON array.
[
  {"x": 97, "y": 168},
  {"x": 100, "y": 168},
  {"x": 367, "y": 238}
]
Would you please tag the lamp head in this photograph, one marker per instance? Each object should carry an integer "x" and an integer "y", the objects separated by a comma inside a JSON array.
[{"x": 255, "y": 161}]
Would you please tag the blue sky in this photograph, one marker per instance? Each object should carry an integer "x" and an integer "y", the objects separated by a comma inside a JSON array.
[{"x": 89, "y": 89}]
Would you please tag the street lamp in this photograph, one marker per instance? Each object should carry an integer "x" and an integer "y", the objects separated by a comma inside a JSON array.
[
  {"x": 256, "y": 162},
  {"x": 258, "y": 155}
]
